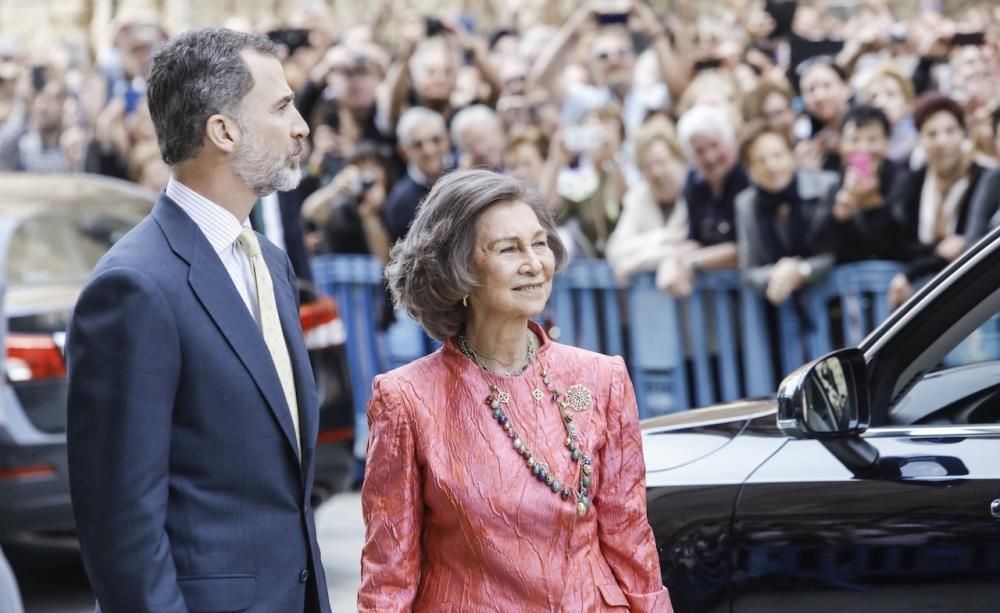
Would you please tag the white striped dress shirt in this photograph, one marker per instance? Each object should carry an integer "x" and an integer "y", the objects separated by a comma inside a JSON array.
[{"x": 221, "y": 228}]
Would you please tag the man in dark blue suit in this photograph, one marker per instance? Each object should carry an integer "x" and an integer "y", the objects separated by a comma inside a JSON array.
[{"x": 192, "y": 406}]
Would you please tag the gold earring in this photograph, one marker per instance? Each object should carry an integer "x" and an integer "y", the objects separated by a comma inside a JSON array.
[{"x": 465, "y": 301}]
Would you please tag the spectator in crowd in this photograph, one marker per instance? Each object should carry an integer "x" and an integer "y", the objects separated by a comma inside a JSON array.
[
  {"x": 502, "y": 44},
  {"x": 653, "y": 224},
  {"x": 347, "y": 214},
  {"x": 611, "y": 62},
  {"x": 430, "y": 63},
  {"x": 531, "y": 110},
  {"x": 423, "y": 142},
  {"x": 341, "y": 92},
  {"x": 826, "y": 98},
  {"x": 771, "y": 101},
  {"x": 889, "y": 90},
  {"x": 127, "y": 65},
  {"x": 31, "y": 138},
  {"x": 475, "y": 132},
  {"x": 115, "y": 135},
  {"x": 590, "y": 195},
  {"x": 986, "y": 199},
  {"x": 708, "y": 139},
  {"x": 970, "y": 80},
  {"x": 513, "y": 72},
  {"x": 857, "y": 224},
  {"x": 777, "y": 216},
  {"x": 713, "y": 88},
  {"x": 525, "y": 157},
  {"x": 932, "y": 203}
]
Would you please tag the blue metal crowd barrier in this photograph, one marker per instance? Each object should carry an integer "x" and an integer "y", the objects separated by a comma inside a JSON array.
[{"x": 713, "y": 346}]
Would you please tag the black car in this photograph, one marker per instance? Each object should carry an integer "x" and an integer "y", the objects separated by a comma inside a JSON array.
[
  {"x": 871, "y": 483},
  {"x": 53, "y": 230}
]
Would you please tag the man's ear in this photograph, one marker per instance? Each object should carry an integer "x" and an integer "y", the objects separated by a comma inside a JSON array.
[
  {"x": 223, "y": 132},
  {"x": 402, "y": 153}
]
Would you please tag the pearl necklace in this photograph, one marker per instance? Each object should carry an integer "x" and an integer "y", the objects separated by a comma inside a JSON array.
[{"x": 498, "y": 400}]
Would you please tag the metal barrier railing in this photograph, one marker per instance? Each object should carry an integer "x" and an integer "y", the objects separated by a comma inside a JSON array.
[{"x": 723, "y": 343}]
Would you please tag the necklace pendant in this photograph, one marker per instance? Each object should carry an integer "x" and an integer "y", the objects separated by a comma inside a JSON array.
[{"x": 538, "y": 395}]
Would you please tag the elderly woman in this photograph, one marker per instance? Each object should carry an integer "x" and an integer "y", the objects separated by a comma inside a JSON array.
[
  {"x": 504, "y": 471},
  {"x": 708, "y": 138},
  {"x": 653, "y": 225},
  {"x": 932, "y": 204}
]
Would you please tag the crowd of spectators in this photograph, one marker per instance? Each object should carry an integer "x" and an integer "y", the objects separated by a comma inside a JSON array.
[{"x": 778, "y": 137}]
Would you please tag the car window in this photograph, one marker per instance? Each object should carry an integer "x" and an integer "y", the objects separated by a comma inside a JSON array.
[
  {"x": 60, "y": 246},
  {"x": 962, "y": 388}
]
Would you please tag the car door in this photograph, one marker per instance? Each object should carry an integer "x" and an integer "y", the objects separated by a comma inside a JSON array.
[{"x": 811, "y": 535}]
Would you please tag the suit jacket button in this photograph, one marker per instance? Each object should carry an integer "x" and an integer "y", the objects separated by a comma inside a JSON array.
[{"x": 304, "y": 576}]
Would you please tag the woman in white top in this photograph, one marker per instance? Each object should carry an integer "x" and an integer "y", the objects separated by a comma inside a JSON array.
[{"x": 654, "y": 218}]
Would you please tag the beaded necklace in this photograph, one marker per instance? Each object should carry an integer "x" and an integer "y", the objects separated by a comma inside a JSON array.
[{"x": 498, "y": 400}]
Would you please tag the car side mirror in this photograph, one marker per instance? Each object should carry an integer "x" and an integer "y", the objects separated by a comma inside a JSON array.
[{"x": 827, "y": 400}]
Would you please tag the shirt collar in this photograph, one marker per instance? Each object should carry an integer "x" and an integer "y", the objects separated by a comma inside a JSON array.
[
  {"x": 219, "y": 226},
  {"x": 418, "y": 177}
]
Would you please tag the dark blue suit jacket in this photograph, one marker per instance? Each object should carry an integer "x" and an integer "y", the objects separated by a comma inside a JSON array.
[{"x": 187, "y": 490}]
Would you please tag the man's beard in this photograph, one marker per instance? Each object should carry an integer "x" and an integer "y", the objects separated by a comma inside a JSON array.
[{"x": 261, "y": 170}]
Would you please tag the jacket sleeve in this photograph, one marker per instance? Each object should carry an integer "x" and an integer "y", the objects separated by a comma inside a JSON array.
[
  {"x": 124, "y": 364},
  {"x": 754, "y": 267},
  {"x": 392, "y": 505},
  {"x": 623, "y": 531},
  {"x": 983, "y": 206}
]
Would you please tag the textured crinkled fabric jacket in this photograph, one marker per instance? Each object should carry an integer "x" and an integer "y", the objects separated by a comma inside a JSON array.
[{"x": 456, "y": 521}]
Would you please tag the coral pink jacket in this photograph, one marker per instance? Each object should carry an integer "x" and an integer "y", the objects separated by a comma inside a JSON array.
[{"x": 457, "y": 522}]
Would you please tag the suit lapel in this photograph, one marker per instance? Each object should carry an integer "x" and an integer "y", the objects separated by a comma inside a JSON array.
[{"x": 214, "y": 288}]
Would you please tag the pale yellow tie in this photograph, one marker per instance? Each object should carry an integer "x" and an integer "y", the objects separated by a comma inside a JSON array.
[{"x": 270, "y": 325}]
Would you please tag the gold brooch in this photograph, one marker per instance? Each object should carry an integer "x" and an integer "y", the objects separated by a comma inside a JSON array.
[{"x": 578, "y": 397}]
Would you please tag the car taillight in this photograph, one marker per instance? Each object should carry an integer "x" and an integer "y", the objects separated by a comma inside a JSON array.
[
  {"x": 33, "y": 356},
  {"x": 321, "y": 324}
]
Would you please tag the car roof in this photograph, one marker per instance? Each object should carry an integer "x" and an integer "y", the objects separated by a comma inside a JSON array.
[{"x": 27, "y": 194}]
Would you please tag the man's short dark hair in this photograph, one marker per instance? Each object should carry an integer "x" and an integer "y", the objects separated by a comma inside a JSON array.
[
  {"x": 195, "y": 75},
  {"x": 867, "y": 115}
]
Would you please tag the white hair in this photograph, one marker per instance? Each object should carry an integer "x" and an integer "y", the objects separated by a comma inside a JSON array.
[
  {"x": 704, "y": 120},
  {"x": 414, "y": 117},
  {"x": 469, "y": 116}
]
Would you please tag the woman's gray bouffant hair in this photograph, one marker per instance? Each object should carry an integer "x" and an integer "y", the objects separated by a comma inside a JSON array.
[{"x": 430, "y": 271}]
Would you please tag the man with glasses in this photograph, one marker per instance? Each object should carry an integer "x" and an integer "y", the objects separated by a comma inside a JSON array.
[{"x": 424, "y": 144}]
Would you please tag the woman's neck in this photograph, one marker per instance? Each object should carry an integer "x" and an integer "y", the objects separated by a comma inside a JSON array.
[
  {"x": 946, "y": 177},
  {"x": 503, "y": 346}
]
